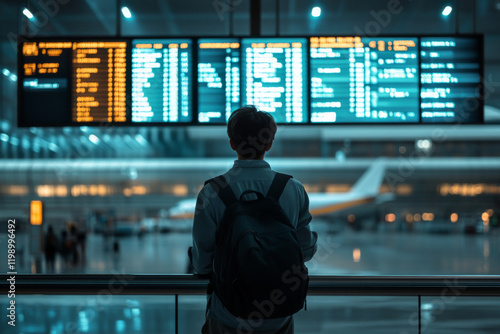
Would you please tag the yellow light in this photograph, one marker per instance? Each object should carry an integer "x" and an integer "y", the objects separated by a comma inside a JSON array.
[
  {"x": 485, "y": 216},
  {"x": 61, "y": 191},
  {"x": 390, "y": 217},
  {"x": 490, "y": 212},
  {"x": 404, "y": 189},
  {"x": 409, "y": 218},
  {"x": 139, "y": 190},
  {"x": 356, "y": 255},
  {"x": 338, "y": 188},
  {"x": 36, "y": 212},
  {"x": 416, "y": 217},
  {"x": 15, "y": 190},
  {"x": 454, "y": 217},
  {"x": 180, "y": 190},
  {"x": 427, "y": 216}
]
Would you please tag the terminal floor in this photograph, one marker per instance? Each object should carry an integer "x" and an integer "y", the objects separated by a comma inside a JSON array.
[{"x": 347, "y": 253}]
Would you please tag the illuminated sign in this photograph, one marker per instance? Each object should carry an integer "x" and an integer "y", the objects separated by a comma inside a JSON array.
[
  {"x": 364, "y": 80},
  {"x": 218, "y": 79},
  {"x": 274, "y": 74},
  {"x": 313, "y": 80},
  {"x": 161, "y": 81},
  {"x": 36, "y": 213}
]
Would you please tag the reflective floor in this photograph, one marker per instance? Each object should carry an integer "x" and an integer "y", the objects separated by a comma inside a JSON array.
[{"x": 347, "y": 253}]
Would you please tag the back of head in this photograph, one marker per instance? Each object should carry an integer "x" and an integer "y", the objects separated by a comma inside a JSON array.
[{"x": 251, "y": 131}]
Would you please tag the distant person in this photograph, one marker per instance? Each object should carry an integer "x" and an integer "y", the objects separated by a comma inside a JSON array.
[
  {"x": 63, "y": 247},
  {"x": 51, "y": 246},
  {"x": 81, "y": 240},
  {"x": 72, "y": 243},
  {"x": 251, "y": 234}
]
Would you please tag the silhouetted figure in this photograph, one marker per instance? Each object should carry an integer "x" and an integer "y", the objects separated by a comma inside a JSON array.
[
  {"x": 63, "y": 246},
  {"x": 116, "y": 246},
  {"x": 51, "y": 247},
  {"x": 72, "y": 242},
  {"x": 81, "y": 239}
]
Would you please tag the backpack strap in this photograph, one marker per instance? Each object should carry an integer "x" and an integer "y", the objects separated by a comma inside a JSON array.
[
  {"x": 222, "y": 188},
  {"x": 279, "y": 182}
]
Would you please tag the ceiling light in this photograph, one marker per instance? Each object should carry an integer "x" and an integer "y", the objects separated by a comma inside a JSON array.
[
  {"x": 447, "y": 10},
  {"x": 126, "y": 12},
  {"x": 28, "y": 14},
  {"x": 316, "y": 12}
]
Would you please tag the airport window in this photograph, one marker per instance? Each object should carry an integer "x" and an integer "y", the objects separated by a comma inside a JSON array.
[{"x": 112, "y": 118}]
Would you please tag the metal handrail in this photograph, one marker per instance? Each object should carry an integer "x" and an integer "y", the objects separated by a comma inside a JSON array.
[{"x": 150, "y": 284}]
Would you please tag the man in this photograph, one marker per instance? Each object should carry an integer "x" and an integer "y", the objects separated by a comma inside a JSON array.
[{"x": 251, "y": 133}]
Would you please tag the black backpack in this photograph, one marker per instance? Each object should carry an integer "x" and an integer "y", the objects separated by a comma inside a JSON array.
[{"x": 258, "y": 268}]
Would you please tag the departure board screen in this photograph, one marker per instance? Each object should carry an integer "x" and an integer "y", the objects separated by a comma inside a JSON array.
[
  {"x": 99, "y": 82},
  {"x": 451, "y": 80},
  {"x": 45, "y": 83},
  {"x": 218, "y": 79},
  {"x": 274, "y": 74},
  {"x": 364, "y": 80},
  {"x": 67, "y": 82},
  {"x": 161, "y": 81},
  {"x": 299, "y": 80}
]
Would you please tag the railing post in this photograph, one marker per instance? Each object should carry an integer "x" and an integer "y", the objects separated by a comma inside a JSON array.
[
  {"x": 176, "y": 314},
  {"x": 419, "y": 314}
]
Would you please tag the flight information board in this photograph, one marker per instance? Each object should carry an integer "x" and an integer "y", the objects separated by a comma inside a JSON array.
[
  {"x": 86, "y": 78},
  {"x": 161, "y": 81},
  {"x": 299, "y": 80},
  {"x": 218, "y": 79},
  {"x": 274, "y": 74},
  {"x": 45, "y": 72},
  {"x": 451, "y": 80},
  {"x": 99, "y": 82},
  {"x": 364, "y": 80}
]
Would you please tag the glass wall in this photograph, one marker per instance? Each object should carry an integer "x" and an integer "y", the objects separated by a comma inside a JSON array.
[{"x": 438, "y": 208}]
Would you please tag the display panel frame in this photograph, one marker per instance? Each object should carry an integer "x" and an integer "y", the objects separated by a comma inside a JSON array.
[{"x": 22, "y": 122}]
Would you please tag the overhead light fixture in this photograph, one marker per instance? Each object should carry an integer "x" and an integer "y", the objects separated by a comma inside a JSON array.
[
  {"x": 28, "y": 14},
  {"x": 6, "y": 72},
  {"x": 447, "y": 10},
  {"x": 93, "y": 138},
  {"x": 126, "y": 12},
  {"x": 13, "y": 77},
  {"x": 423, "y": 145},
  {"x": 316, "y": 12}
]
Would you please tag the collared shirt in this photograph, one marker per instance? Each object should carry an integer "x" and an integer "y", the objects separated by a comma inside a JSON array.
[{"x": 246, "y": 175}]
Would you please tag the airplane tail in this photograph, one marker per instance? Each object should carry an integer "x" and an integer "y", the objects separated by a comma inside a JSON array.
[{"x": 369, "y": 183}]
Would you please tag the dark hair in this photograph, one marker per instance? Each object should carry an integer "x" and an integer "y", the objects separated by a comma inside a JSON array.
[{"x": 251, "y": 130}]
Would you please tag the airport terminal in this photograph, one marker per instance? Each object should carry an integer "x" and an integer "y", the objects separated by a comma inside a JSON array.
[{"x": 118, "y": 116}]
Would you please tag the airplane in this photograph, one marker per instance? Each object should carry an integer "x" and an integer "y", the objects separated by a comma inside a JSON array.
[{"x": 364, "y": 191}]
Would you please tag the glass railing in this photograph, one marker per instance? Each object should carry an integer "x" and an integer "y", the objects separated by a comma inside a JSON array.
[{"x": 176, "y": 304}]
